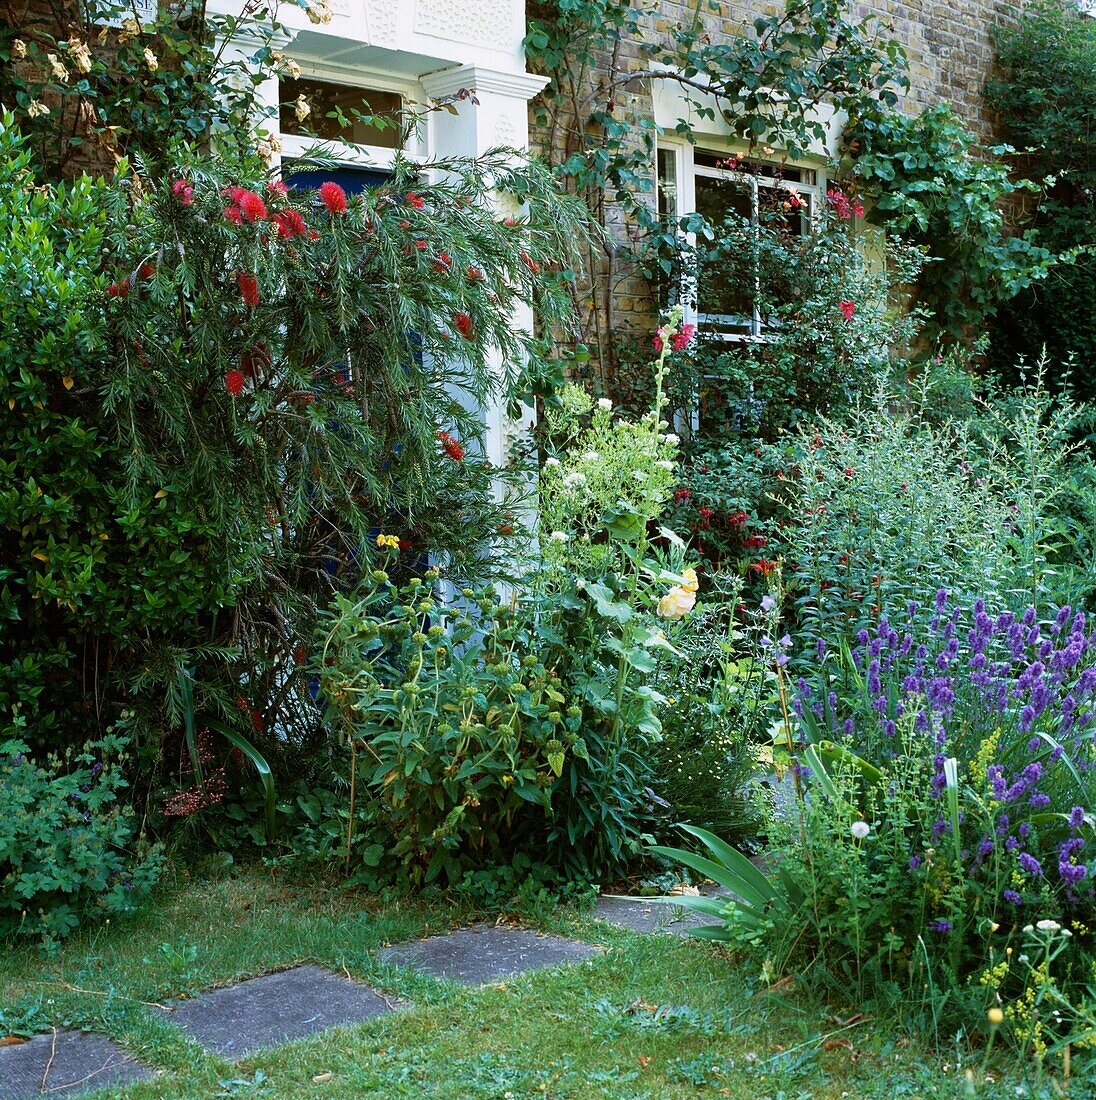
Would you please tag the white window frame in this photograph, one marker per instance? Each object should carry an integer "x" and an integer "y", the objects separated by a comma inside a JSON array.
[
  {"x": 685, "y": 172},
  {"x": 376, "y": 157}
]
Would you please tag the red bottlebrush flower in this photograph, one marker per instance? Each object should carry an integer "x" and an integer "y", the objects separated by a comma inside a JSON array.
[
  {"x": 463, "y": 325},
  {"x": 232, "y": 214},
  {"x": 249, "y": 288},
  {"x": 505, "y": 529},
  {"x": 120, "y": 289},
  {"x": 443, "y": 262},
  {"x": 475, "y": 275},
  {"x": 290, "y": 224},
  {"x": 847, "y": 309},
  {"x": 183, "y": 192},
  {"x": 451, "y": 447},
  {"x": 405, "y": 224},
  {"x": 146, "y": 271},
  {"x": 312, "y": 234},
  {"x": 407, "y": 544},
  {"x": 681, "y": 340},
  {"x": 300, "y": 654},
  {"x": 252, "y": 207},
  {"x": 278, "y": 188},
  {"x": 234, "y": 383},
  {"x": 420, "y": 244},
  {"x": 234, "y": 194},
  {"x": 530, "y": 263},
  {"x": 415, "y": 200},
  {"x": 510, "y": 222},
  {"x": 333, "y": 197}
]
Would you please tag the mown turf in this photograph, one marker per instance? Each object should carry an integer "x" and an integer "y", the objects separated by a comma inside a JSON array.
[{"x": 653, "y": 1017}]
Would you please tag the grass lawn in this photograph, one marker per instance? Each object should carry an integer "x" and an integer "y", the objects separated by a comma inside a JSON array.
[{"x": 652, "y": 1017}]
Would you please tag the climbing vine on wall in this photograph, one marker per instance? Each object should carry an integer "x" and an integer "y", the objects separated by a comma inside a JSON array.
[{"x": 767, "y": 83}]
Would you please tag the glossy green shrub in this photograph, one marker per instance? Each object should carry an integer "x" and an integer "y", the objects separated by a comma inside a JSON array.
[{"x": 68, "y": 845}]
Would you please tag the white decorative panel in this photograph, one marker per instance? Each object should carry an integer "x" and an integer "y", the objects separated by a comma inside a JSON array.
[
  {"x": 479, "y": 22},
  {"x": 506, "y": 132},
  {"x": 380, "y": 19}
]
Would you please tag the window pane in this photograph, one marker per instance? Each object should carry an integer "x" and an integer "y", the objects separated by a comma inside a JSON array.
[
  {"x": 667, "y": 183},
  {"x": 334, "y": 110},
  {"x": 727, "y": 277}
]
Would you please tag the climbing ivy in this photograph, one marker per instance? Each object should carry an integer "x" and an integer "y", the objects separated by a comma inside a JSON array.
[
  {"x": 767, "y": 83},
  {"x": 929, "y": 181}
]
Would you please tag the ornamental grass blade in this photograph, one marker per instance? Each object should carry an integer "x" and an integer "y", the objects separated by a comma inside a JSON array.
[
  {"x": 190, "y": 733},
  {"x": 834, "y": 753},
  {"x": 734, "y": 860},
  {"x": 819, "y": 773},
  {"x": 266, "y": 776}
]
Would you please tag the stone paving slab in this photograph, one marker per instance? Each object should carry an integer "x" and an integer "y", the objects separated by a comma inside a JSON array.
[
  {"x": 65, "y": 1063},
  {"x": 485, "y": 953},
  {"x": 645, "y": 915},
  {"x": 275, "y": 1008}
]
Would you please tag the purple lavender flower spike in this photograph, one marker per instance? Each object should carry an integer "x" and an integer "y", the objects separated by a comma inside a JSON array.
[{"x": 1030, "y": 864}]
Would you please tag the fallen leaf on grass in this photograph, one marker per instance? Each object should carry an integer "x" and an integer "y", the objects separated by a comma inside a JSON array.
[
  {"x": 12, "y": 1041},
  {"x": 837, "y": 1044},
  {"x": 320, "y": 1078},
  {"x": 644, "y": 1061},
  {"x": 785, "y": 984}
]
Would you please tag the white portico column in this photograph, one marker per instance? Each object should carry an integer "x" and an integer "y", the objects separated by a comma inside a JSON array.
[{"x": 500, "y": 118}]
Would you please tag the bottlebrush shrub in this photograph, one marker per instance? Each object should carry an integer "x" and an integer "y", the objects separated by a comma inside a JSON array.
[
  {"x": 68, "y": 846},
  {"x": 261, "y": 380},
  {"x": 948, "y": 771}
]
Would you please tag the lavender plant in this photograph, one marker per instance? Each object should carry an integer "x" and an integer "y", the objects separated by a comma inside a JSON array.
[{"x": 946, "y": 765}]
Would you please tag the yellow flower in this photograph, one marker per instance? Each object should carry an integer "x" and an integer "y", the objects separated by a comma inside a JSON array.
[
  {"x": 677, "y": 603},
  {"x": 691, "y": 583},
  {"x": 388, "y": 542},
  {"x": 150, "y": 60},
  {"x": 995, "y": 1016},
  {"x": 508, "y": 779}
]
